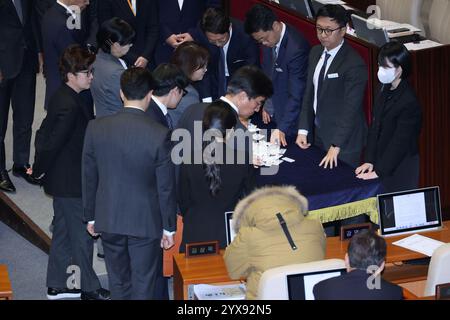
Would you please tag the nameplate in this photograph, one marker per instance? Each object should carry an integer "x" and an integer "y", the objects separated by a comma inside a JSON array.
[
  {"x": 348, "y": 231},
  {"x": 443, "y": 291},
  {"x": 198, "y": 249},
  {"x": 333, "y": 76}
]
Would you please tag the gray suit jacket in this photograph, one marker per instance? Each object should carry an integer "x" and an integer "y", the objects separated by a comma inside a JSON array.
[
  {"x": 189, "y": 99},
  {"x": 105, "y": 86},
  {"x": 340, "y": 105},
  {"x": 128, "y": 178}
]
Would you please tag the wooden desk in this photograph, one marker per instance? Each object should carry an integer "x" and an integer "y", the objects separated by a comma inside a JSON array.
[
  {"x": 5, "y": 285},
  {"x": 212, "y": 270}
]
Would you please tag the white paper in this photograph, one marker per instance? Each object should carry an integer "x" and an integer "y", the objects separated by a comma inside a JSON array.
[
  {"x": 331, "y": 2},
  {"x": 425, "y": 44},
  {"x": 410, "y": 210},
  {"x": 288, "y": 159},
  {"x": 420, "y": 244},
  {"x": 225, "y": 292}
]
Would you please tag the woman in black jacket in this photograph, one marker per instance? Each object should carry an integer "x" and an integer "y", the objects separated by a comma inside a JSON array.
[{"x": 392, "y": 151}]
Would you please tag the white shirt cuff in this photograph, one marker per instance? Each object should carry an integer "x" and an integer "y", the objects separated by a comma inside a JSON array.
[
  {"x": 168, "y": 233},
  {"x": 91, "y": 222},
  {"x": 302, "y": 131}
]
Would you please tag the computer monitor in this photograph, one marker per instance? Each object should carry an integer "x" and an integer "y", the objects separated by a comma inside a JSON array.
[
  {"x": 369, "y": 31},
  {"x": 302, "y": 6},
  {"x": 409, "y": 211},
  {"x": 229, "y": 226},
  {"x": 300, "y": 285}
]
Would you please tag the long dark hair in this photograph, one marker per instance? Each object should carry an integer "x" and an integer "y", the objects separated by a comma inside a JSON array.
[{"x": 220, "y": 117}]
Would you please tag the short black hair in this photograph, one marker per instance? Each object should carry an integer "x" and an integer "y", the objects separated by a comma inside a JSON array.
[
  {"x": 168, "y": 76},
  {"x": 214, "y": 20},
  {"x": 366, "y": 249},
  {"x": 259, "y": 18},
  {"x": 114, "y": 30},
  {"x": 136, "y": 83},
  {"x": 252, "y": 80},
  {"x": 190, "y": 56},
  {"x": 398, "y": 55},
  {"x": 75, "y": 59},
  {"x": 335, "y": 12}
]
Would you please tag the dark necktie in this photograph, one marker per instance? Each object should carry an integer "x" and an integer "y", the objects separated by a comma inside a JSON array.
[
  {"x": 319, "y": 86},
  {"x": 274, "y": 57},
  {"x": 222, "y": 76},
  {"x": 169, "y": 121},
  {"x": 18, "y": 5}
]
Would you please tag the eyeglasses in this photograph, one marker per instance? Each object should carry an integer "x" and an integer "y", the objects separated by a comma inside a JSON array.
[
  {"x": 87, "y": 72},
  {"x": 327, "y": 32}
]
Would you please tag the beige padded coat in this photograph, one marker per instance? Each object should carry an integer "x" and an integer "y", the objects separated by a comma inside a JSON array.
[{"x": 260, "y": 242}]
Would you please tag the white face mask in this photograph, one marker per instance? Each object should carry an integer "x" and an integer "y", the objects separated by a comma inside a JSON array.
[{"x": 386, "y": 75}]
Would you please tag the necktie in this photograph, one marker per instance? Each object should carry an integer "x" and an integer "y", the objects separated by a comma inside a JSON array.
[
  {"x": 169, "y": 121},
  {"x": 322, "y": 74},
  {"x": 18, "y": 5},
  {"x": 319, "y": 86},
  {"x": 274, "y": 57},
  {"x": 222, "y": 77}
]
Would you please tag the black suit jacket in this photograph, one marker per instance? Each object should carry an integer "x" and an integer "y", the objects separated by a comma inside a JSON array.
[
  {"x": 395, "y": 128},
  {"x": 145, "y": 24},
  {"x": 353, "y": 286},
  {"x": 288, "y": 77},
  {"x": 56, "y": 38},
  {"x": 242, "y": 51},
  {"x": 340, "y": 105},
  {"x": 128, "y": 176},
  {"x": 59, "y": 143},
  {"x": 155, "y": 112},
  {"x": 19, "y": 42}
]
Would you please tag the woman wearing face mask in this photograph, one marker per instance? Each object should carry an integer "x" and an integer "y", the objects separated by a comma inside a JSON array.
[
  {"x": 392, "y": 151},
  {"x": 114, "y": 39}
]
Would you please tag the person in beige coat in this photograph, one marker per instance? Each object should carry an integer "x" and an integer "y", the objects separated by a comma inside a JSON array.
[{"x": 262, "y": 243}]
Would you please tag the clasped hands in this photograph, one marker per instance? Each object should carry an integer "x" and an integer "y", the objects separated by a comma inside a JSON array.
[{"x": 176, "y": 39}]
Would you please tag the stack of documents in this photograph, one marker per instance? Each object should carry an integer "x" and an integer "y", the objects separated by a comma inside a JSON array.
[
  {"x": 225, "y": 292},
  {"x": 421, "y": 244}
]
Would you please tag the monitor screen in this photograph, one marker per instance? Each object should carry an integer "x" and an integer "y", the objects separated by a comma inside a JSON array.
[
  {"x": 369, "y": 32},
  {"x": 300, "y": 286},
  {"x": 229, "y": 226},
  {"x": 302, "y": 6},
  {"x": 409, "y": 211}
]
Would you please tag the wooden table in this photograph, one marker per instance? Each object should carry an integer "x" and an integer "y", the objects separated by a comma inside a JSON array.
[
  {"x": 5, "y": 285},
  {"x": 212, "y": 270}
]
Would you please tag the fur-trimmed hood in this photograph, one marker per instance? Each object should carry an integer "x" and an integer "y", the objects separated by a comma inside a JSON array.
[{"x": 259, "y": 209}]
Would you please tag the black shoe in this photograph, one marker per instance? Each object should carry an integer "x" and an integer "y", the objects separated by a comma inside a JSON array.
[
  {"x": 62, "y": 293},
  {"x": 99, "y": 294},
  {"x": 5, "y": 182},
  {"x": 21, "y": 171}
]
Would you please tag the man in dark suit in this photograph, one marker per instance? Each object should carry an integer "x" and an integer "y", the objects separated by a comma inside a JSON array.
[
  {"x": 229, "y": 46},
  {"x": 285, "y": 60},
  {"x": 177, "y": 19},
  {"x": 18, "y": 67},
  {"x": 170, "y": 82},
  {"x": 59, "y": 143},
  {"x": 142, "y": 15},
  {"x": 136, "y": 226},
  {"x": 332, "y": 113},
  {"x": 246, "y": 92},
  {"x": 365, "y": 261},
  {"x": 61, "y": 27}
]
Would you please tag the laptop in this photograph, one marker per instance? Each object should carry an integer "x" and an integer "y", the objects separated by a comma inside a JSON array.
[
  {"x": 300, "y": 286},
  {"x": 409, "y": 211},
  {"x": 369, "y": 32},
  {"x": 229, "y": 226},
  {"x": 302, "y": 6}
]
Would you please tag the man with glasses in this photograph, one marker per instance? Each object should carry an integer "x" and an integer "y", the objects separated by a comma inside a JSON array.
[
  {"x": 332, "y": 115},
  {"x": 285, "y": 61},
  {"x": 170, "y": 84},
  {"x": 59, "y": 145}
]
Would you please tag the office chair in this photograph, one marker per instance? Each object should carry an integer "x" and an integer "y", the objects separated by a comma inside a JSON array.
[
  {"x": 439, "y": 21},
  {"x": 402, "y": 11},
  {"x": 439, "y": 269},
  {"x": 273, "y": 282}
]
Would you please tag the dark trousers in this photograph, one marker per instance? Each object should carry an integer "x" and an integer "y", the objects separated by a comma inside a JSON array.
[
  {"x": 72, "y": 247},
  {"x": 20, "y": 92},
  {"x": 134, "y": 266},
  {"x": 405, "y": 176}
]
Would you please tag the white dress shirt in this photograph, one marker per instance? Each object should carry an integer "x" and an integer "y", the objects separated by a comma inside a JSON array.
[
  {"x": 180, "y": 4},
  {"x": 230, "y": 103},
  {"x": 225, "y": 51},
  {"x": 160, "y": 105}
]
